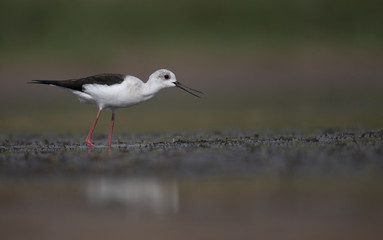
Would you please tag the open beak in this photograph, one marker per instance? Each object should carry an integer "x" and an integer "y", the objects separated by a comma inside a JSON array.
[{"x": 188, "y": 89}]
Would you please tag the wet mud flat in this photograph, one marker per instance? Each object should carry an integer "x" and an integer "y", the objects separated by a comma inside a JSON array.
[
  {"x": 326, "y": 152},
  {"x": 205, "y": 185}
]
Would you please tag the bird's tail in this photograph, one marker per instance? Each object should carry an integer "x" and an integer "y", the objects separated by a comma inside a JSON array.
[{"x": 48, "y": 82}]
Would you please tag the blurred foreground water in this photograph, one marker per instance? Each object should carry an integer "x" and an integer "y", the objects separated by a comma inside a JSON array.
[{"x": 203, "y": 208}]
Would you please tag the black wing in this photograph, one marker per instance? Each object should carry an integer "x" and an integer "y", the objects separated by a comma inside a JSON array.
[{"x": 77, "y": 84}]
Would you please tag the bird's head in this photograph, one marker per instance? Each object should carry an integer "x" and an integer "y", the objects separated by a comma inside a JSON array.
[{"x": 165, "y": 78}]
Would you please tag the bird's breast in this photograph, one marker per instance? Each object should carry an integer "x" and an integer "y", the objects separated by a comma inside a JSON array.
[{"x": 115, "y": 96}]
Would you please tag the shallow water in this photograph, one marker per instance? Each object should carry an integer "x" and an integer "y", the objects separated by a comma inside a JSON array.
[
  {"x": 205, "y": 208},
  {"x": 325, "y": 185}
]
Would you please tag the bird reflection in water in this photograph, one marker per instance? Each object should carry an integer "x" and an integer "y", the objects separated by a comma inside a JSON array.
[{"x": 136, "y": 195}]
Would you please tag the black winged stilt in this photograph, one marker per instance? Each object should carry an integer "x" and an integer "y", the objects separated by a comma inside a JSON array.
[{"x": 113, "y": 91}]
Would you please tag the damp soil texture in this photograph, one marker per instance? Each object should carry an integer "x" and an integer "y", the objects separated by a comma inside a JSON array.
[{"x": 326, "y": 184}]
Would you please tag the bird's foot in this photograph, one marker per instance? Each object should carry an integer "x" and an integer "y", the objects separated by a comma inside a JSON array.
[{"x": 89, "y": 143}]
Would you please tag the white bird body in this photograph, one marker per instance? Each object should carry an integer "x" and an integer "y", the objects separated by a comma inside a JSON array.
[
  {"x": 113, "y": 91},
  {"x": 126, "y": 94}
]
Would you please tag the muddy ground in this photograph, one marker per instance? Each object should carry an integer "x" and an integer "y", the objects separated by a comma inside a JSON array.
[
  {"x": 326, "y": 152},
  {"x": 324, "y": 184}
]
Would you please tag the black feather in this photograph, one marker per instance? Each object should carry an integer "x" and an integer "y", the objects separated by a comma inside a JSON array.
[{"x": 78, "y": 84}]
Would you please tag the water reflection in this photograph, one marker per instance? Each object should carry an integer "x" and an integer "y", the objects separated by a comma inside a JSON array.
[
  {"x": 212, "y": 208},
  {"x": 136, "y": 195}
]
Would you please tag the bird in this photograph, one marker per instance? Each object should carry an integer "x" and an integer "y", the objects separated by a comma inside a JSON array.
[{"x": 113, "y": 91}]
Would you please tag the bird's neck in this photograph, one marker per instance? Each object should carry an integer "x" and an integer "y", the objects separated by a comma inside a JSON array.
[{"x": 150, "y": 88}]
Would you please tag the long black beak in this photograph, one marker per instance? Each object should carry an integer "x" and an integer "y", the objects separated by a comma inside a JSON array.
[{"x": 188, "y": 89}]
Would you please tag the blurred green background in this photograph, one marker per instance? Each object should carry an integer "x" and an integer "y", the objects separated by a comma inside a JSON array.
[{"x": 262, "y": 64}]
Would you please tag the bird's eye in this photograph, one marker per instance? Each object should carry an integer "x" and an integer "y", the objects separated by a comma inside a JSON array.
[{"x": 166, "y": 76}]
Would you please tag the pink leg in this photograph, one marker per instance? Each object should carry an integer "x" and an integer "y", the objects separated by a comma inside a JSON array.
[
  {"x": 111, "y": 130},
  {"x": 87, "y": 140}
]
